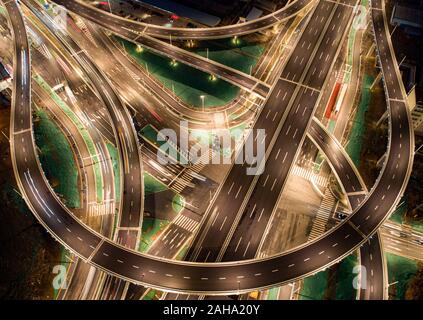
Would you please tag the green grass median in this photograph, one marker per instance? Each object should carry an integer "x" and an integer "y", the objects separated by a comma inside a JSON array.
[
  {"x": 151, "y": 230},
  {"x": 358, "y": 129},
  {"x": 178, "y": 203},
  {"x": 82, "y": 130},
  {"x": 240, "y": 55},
  {"x": 400, "y": 273},
  {"x": 57, "y": 159},
  {"x": 116, "y": 168},
  {"x": 152, "y": 185},
  {"x": 188, "y": 83}
]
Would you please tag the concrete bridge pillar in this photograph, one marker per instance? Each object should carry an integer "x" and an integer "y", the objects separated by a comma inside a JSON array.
[
  {"x": 376, "y": 80},
  {"x": 381, "y": 160},
  {"x": 382, "y": 119}
]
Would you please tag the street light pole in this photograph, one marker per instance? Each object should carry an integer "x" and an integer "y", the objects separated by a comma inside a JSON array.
[
  {"x": 395, "y": 28},
  {"x": 389, "y": 285},
  {"x": 110, "y": 7},
  {"x": 202, "y": 101}
]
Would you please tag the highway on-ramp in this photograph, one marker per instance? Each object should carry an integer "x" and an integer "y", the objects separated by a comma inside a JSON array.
[
  {"x": 373, "y": 274},
  {"x": 261, "y": 23},
  {"x": 132, "y": 200},
  {"x": 247, "y": 201},
  {"x": 211, "y": 278},
  {"x": 113, "y": 24}
]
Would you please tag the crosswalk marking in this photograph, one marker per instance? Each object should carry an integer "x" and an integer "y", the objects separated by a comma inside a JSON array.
[
  {"x": 323, "y": 214},
  {"x": 101, "y": 209},
  {"x": 44, "y": 51},
  {"x": 186, "y": 178},
  {"x": 81, "y": 25},
  {"x": 133, "y": 74},
  {"x": 186, "y": 223}
]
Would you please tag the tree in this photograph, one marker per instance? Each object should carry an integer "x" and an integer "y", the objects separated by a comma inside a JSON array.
[{"x": 415, "y": 287}]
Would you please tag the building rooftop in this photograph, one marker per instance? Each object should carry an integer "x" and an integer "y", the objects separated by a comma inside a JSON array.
[{"x": 407, "y": 15}]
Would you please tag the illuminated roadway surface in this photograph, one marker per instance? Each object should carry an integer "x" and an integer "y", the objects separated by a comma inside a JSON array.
[
  {"x": 210, "y": 278},
  {"x": 114, "y": 24},
  {"x": 129, "y": 220},
  {"x": 132, "y": 196},
  {"x": 106, "y": 165},
  {"x": 264, "y": 22},
  {"x": 350, "y": 180},
  {"x": 402, "y": 240},
  {"x": 285, "y": 117},
  {"x": 371, "y": 255}
]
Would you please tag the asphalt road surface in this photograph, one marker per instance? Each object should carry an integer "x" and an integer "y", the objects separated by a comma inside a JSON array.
[
  {"x": 285, "y": 118},
  {"x": 211, "y": 278},
  {"x": 132, "y": 195},
  {"x": 113, "y": 24},
  {"x": 190, "y": 33}
]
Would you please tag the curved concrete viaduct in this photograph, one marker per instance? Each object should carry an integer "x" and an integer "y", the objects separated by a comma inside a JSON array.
[{"x": 211, "y": 278}]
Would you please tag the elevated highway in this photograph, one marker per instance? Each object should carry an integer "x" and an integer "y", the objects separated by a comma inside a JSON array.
[
  {"x": 261, "y": 23},
  {"x": 211, "y": 278},
  {"x": 251, "y": 200},
  {"x": 131, "y": 204},
  {"x": 113, "y": 24}
]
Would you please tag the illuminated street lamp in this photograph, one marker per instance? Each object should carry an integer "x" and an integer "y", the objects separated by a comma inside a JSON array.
[
  {"x": 139, "y": 49},
  {"x": 190, "y": 43},
  {"x": 202, "y": 100}
]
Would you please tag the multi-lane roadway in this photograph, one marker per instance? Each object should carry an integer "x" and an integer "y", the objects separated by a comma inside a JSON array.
[
  {"x": 114, "y": 24},
  {"x": 261, "y": 23},
  {"x": 131, "y": 205},
  {"x": 221, "y": 277},
  {"x": 251, "y": 200}
]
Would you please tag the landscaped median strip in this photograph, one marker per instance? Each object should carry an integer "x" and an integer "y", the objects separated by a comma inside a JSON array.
[
  {"x": 57, "y": 159},
  {"x": 151, "y": 230},
  {"x": 353, "y": 148},
  {"x": 401, "y": 273},
  {"x": 188, "y": 83},
  {"x": 152, "y": 185},
  {"x": 116, "y": 168},
  {"x": 82, "y": 130},
  {"x": 178, "y": 203}
]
